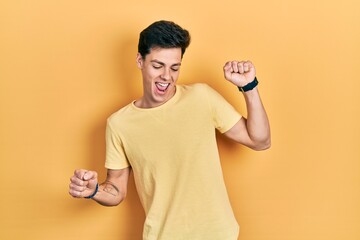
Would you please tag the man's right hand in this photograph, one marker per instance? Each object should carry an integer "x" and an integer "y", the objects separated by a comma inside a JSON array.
[{"x": 83, "y": 183}]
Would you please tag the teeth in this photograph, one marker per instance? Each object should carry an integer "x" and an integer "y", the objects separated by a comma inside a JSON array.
[{"x": 163, "y": 84}]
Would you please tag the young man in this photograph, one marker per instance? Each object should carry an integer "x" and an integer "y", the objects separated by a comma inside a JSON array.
[{"x": 167, "y": 137}]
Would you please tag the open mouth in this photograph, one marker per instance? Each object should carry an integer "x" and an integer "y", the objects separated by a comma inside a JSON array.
[{"x": 162, "y": 87}]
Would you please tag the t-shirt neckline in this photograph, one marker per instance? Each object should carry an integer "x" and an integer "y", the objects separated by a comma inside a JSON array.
[{"x": 164, "y": 105}]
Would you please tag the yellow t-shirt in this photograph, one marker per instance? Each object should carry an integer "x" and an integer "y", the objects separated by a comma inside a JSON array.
[{"x": 174, "y": 156}]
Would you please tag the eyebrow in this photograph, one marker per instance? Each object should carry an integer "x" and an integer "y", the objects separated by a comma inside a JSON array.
[{"x": 161, "y": 63}]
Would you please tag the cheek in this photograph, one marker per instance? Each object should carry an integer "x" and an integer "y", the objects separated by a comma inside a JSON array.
[
  {"x": 175, "y": 75},
  {"x": 150, "y": 74},
  {"x": 153, "y": 73}
]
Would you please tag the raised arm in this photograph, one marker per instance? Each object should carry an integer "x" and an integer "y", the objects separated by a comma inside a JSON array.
[
  {"x": 254, "y": 131},
  {"x": 110, "y": 193}
]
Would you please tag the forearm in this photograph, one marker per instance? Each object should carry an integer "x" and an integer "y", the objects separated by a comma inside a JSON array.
[
  {"x": 257, "y": 122},
  {"x": 109, "y": 195}
]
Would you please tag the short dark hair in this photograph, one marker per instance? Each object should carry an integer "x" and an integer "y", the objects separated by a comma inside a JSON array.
[{"x": 163, "y": 34}]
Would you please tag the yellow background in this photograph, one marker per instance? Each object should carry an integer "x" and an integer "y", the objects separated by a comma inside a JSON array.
[{"x": 65, "y": 66}]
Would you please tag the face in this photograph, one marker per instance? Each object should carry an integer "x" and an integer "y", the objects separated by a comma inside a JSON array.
[{"x": 160, "y": 71}]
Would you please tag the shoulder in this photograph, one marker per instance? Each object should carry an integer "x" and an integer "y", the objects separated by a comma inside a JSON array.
[
  {"x": 120, "y": 115},
  {"x": 201, "y": 92},
  {"x": 195, "y": 88}
]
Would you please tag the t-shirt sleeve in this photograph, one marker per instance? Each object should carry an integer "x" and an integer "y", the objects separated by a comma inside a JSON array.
[
  {"x": 224, "y": 114},
  {"x": 115, "y": 153}
]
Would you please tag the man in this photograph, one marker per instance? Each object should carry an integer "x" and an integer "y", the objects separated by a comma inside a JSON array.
[{"x": 167, "y": 137}]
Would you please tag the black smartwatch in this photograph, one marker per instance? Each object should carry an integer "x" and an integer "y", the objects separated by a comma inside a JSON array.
[{"x": 249, "y": 86}]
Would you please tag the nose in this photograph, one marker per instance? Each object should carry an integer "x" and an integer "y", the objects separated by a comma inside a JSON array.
[{"x": 166, "y": 74}]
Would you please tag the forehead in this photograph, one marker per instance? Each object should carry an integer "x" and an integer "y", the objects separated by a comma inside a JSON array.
[{"x": 165, "y": 55}]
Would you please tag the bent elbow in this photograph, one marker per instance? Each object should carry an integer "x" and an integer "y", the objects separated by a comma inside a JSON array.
[
  {"x": 113, "y": 202},
  {"x": 118, "y": 202},
  {"x": 120, "y": 199},
  {"x": 261, "y": 146},
  {"x": 265, "y": 146}
]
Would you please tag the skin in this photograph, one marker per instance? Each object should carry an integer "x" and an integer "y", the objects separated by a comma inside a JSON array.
[
  {"x": 253, "y": 132},
  {"x": 160, "y": 66},
  {"x": 160, "y": 71},
  {"x": 110, "y": 193}
]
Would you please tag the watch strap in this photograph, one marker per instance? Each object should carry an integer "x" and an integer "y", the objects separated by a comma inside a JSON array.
[{"x": 249, "y": 86}]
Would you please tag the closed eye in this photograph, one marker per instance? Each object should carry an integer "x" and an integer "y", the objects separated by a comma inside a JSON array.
[{"x": 157, "y": 67}]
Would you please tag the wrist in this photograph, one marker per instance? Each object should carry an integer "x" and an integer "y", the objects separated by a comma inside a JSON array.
[
  {"x": 95, "y": 192},
  {"x": 250, "y": 86}
]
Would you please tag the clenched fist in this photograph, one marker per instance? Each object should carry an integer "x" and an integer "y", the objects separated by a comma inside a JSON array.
[
  {"x": 83, "y": 183},
  {"x": 239, "y": 73}
]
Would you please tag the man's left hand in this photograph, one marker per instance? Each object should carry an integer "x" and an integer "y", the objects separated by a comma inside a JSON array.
[{"x": 239, "y": 73}]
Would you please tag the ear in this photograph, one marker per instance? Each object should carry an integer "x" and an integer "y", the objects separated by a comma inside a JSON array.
[{"x": 139, "y": 61}]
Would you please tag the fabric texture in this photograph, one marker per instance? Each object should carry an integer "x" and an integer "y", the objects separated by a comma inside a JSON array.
[{"x": 174, "y": 156}]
